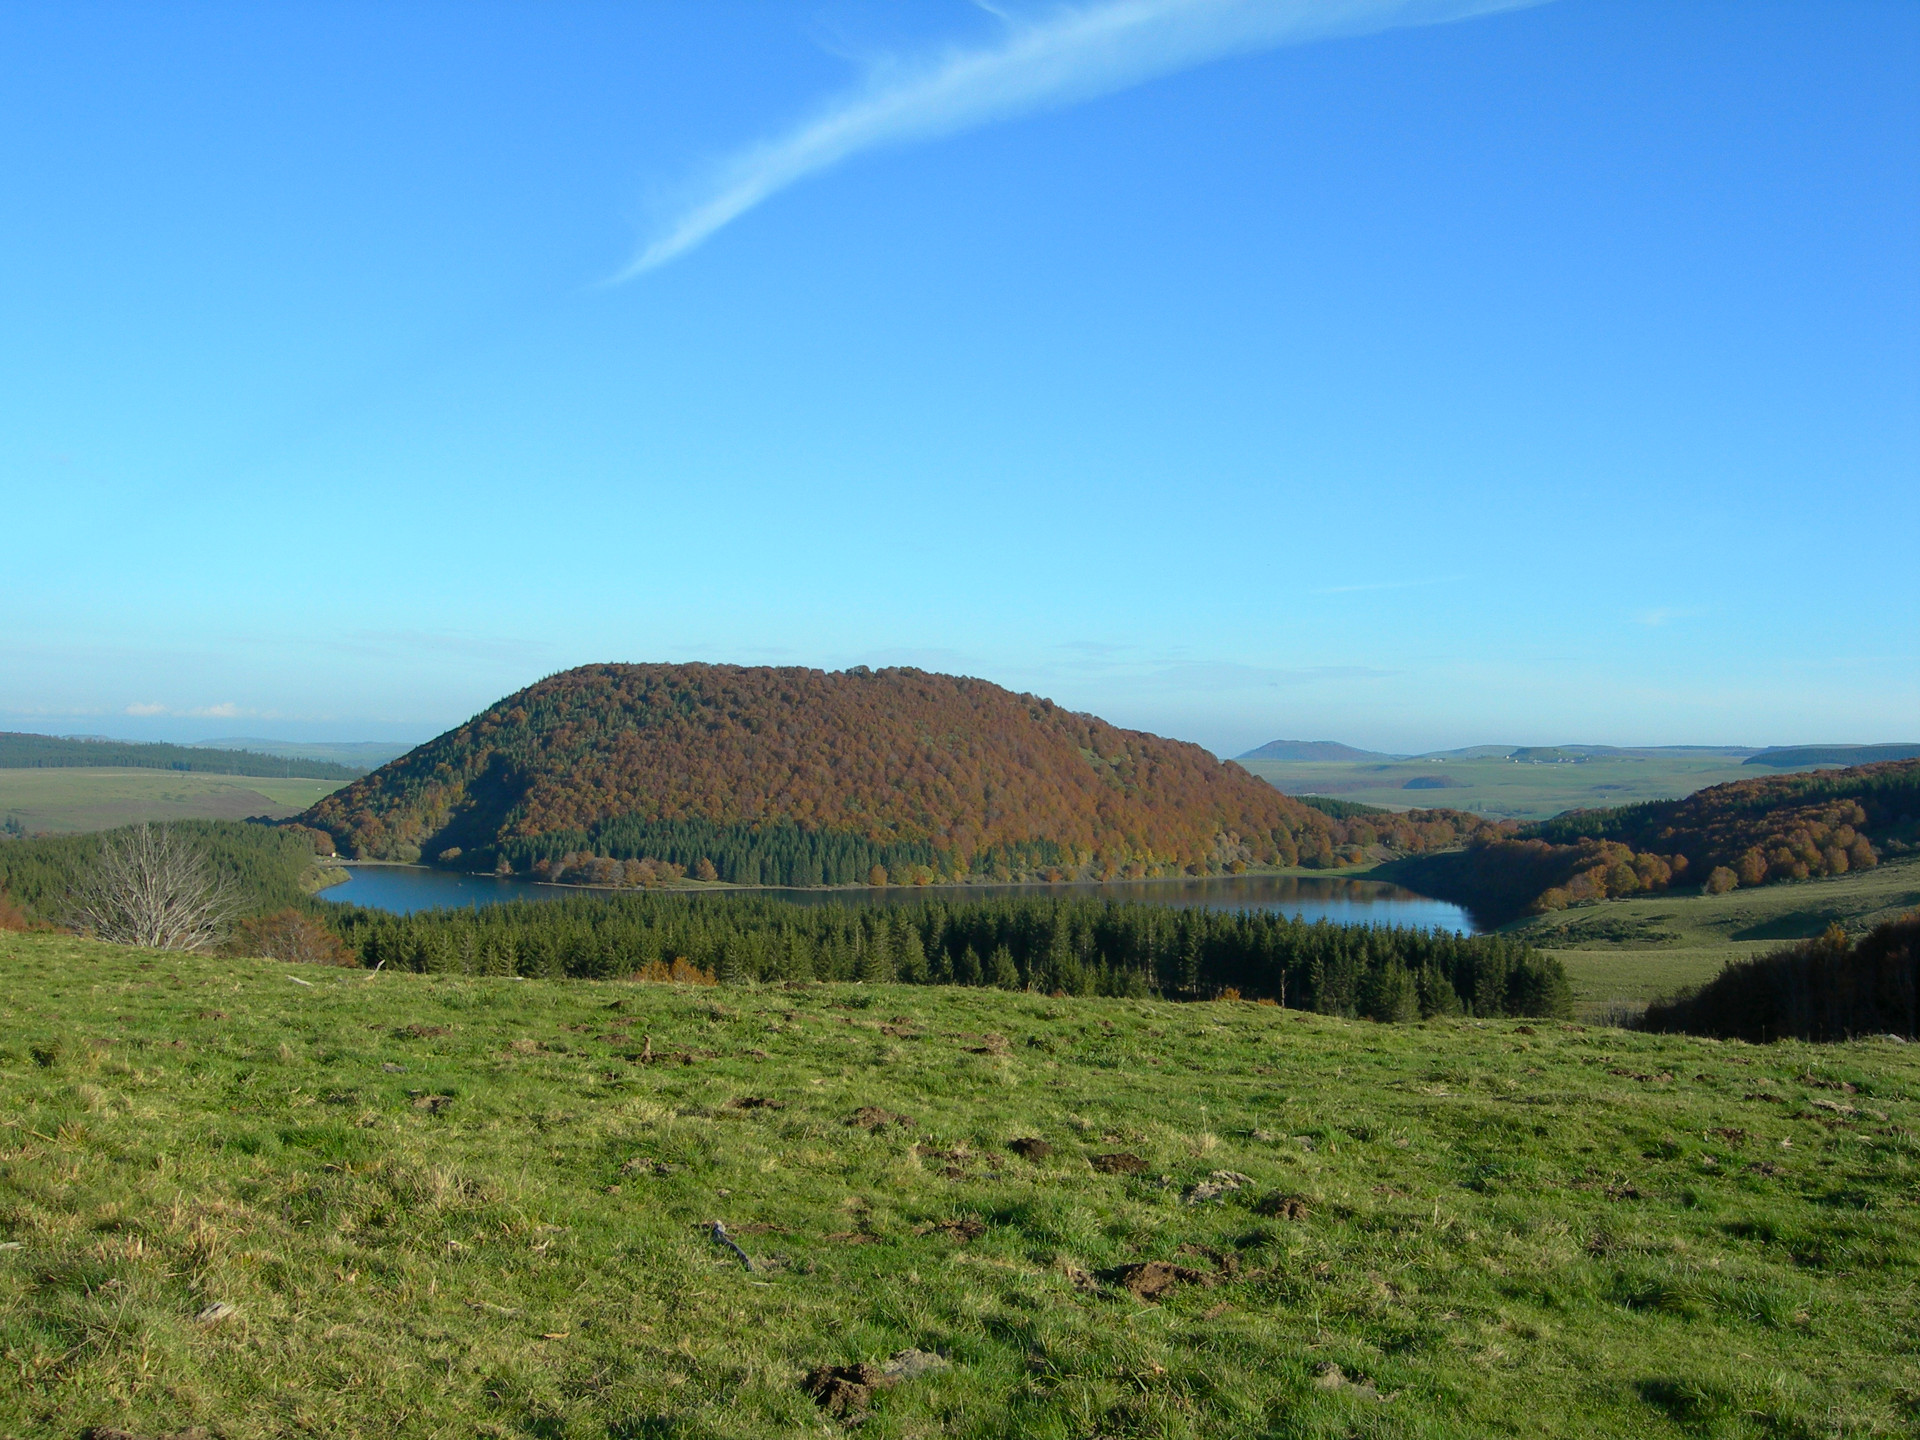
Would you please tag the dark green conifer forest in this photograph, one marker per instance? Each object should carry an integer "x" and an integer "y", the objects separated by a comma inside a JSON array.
[{"x": 1049, "y": 946}]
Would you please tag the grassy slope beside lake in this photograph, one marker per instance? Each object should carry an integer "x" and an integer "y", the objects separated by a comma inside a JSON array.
[
  {"x": 1509, "y": 1229},
  {"x": 1633, "y": 949},
  {"x": 70, "y": 801}
]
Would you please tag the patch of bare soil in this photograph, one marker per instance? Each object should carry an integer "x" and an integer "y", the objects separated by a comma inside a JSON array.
[
  {"x": 1285, "y": 1207},
  {"x": 1118, "y": 1164},
  {"x": 990, "y": 1044},
  {"x": 961, "y": 1230},
  {"x": 1030, "y": 1148},
  {"x": 432, "y": 1104},
  {"x": 647, "y": 1055},
  {"x": 950, "y": 1160},
  {"x": 872, "y": 1117},
  {"x": 755, "y": 1102},
  {"x": 423, "y": 1032},
  {"x": 1151, "y": 1279},
  {"x": 847, "y": 1390}
]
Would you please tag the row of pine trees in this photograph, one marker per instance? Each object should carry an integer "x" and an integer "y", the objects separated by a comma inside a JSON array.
[{"x": 1046, "y": 945}]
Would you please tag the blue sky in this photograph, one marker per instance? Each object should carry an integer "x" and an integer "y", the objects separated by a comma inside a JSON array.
[{"x": 1411, "y": 374}]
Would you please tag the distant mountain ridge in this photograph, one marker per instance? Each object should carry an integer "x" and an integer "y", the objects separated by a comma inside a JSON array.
[
  {"x": 790, "y": 776},
  {"x": 1312, "y": 751},
  {"x": 20, "y": 751},
  {"x": 1308, "y": 752},
  {"x": 362, "y": 755}
]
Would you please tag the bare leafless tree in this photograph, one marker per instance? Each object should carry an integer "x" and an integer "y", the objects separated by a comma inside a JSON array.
[{"x": 151, "y": 887}]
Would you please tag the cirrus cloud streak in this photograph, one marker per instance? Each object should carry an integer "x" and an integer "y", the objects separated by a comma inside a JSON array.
[{"x": 1068, "y": 55}]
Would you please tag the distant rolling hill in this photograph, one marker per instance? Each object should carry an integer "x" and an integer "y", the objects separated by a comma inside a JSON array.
[
  {"x": 361, "y": 755},
  {"x": 1312, "y": 752},
  {"x": 793, "y": 776},
  {"x": 1801, "y": 757},
  {"x": 48, "y": 752}
]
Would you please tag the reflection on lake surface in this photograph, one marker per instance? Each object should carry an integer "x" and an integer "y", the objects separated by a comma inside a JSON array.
[{"x": 406, "y": 888}]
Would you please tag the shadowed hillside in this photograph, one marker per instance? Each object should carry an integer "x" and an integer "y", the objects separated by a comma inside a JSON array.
[
  {"x": 1832, "y": 988},
  {"x": 804, "y": 777}
]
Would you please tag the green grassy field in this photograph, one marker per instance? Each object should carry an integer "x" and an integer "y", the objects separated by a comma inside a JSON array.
[
  {"x": 1504, "y": 789},
  {"x": 1634, "y": 949},
  {"x": 67, "y": 801},
  {"x": 414, "y": 1205}
]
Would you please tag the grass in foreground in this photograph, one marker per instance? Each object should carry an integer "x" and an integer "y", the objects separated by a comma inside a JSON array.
[
  {"x": 70, "y": 801},
  {"x": 416, "y": 1205},
  {"x": 1629, "y": 951}
]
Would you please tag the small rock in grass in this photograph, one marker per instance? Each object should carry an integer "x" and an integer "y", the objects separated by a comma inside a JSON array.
[
  {"x": 1331, "y": 1377},
  {"x": 1216, "y": 1186},
  {"x": 218, "y": 1311},
  {"x": 911, "y": 1363},
  {"x": 393, "y": 1069}
]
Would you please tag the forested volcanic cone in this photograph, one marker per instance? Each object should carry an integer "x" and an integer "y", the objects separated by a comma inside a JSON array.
[{"x": 637, "y": 773}]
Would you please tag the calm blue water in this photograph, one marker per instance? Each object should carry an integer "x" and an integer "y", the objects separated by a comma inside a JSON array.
[{"x": 403, "y": 889}]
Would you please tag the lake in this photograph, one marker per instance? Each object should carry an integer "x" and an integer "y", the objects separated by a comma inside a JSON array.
[{"x": 404, "y": 889}]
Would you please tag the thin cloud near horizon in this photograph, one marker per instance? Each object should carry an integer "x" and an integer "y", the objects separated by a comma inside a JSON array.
[{"x": 1073, "y": 53}]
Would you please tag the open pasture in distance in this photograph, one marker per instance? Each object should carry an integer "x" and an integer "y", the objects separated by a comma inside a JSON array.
[
  {"x": 1633, "y": 949},
  {"x": 68, "y": 801},
  {"x": 416, "y": 1205},
  {"x": 1504, "y": 789}
]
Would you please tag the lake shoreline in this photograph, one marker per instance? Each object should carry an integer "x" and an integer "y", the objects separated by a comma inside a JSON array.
[{"x": 1349, "y": 898}]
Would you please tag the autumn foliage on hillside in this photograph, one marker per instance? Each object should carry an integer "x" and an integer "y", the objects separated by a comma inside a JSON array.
[
  {"x": 794, "y": 776},
  {"x": 1749, "y": 832}
]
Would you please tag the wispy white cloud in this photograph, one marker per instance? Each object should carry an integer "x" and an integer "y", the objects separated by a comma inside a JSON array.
[{"x": 1062, "y": 56}]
